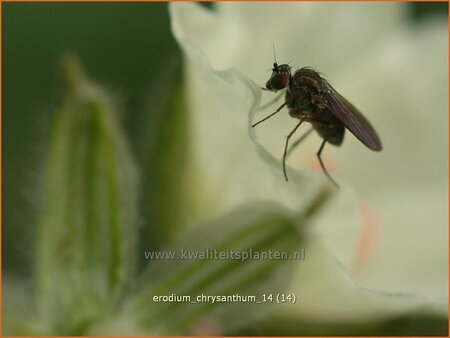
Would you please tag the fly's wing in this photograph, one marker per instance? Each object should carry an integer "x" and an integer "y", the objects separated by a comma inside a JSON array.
[{"x": 353, "y": 120}]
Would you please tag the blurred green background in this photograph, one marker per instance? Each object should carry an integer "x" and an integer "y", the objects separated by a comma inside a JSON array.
[{"x": 127, "y": 47}]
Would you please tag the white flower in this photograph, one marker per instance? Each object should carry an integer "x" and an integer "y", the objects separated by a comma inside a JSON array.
[{"x": 394, "y": 260}]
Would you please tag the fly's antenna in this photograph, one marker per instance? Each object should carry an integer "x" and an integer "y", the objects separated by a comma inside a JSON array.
[{"x": 274, "y": 56}]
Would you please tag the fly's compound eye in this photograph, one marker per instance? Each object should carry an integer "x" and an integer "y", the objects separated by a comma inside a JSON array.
[{"x": 277, "y": 81}]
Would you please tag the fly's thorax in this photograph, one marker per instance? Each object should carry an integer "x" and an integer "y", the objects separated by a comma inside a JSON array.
[
  {"x": 309, "y": 78},
  {"x": 305, "y": 90},
  {"x": 299, "y": 98}
]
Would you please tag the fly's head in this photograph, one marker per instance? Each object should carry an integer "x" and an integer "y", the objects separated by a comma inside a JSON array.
[{"x": 279, "y": 78}]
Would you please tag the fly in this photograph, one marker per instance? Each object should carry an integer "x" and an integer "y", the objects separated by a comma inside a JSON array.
[{"x": 310, "y": 98}]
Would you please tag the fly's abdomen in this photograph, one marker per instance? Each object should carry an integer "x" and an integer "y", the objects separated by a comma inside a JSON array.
[{"x": 331, "y": 129}]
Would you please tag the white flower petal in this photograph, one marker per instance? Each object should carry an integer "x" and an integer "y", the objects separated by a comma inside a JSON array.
[
  {"x": 326, "y": 291},
  {"x": 364, "y": 60},
  {"x": 227, "y": 171},
  {"x": 231, "y": 171}
]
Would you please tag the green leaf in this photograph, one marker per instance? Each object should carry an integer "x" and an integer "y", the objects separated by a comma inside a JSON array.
[
  {"x": 19, "y": 316},
  {"x": 87, "y": 229},
  {"x": 196, "y": 268},
  {"x": 163, "y": 144}
]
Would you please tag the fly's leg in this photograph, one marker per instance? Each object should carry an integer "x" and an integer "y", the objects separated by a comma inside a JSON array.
[
  {"x": 268, "y": 117},
  {"x": 314, "y": 121},
  {"x": 296, "y": 143},
  {"x": 323, "y": 166},
  {"x": 287, "y": 143}
]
